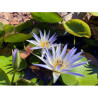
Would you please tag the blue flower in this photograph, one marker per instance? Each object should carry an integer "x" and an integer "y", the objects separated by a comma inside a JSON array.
[
  {"x": 59, "y": 63},
  {"x": 15, "y": 58},
  {"x": 43, "y": 41}
]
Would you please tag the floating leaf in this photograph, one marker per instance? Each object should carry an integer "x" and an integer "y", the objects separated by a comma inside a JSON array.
[
  {"x": 78, "y": 28},
  {"x": 19, "y": 37},
  {"x": 34, "y": 80},
  {"x": 50, "y": 17},
  {"x": 23, "y": 26},
  {"x": 89, "y": 71},
  {"x": 8, "y": 28},
  {"x": 3, "y": 78},
  {"x": 6, "y": 66},
  {"x": 94, "y": 13}
]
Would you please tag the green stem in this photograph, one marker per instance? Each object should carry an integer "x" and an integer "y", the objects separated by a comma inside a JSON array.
[
  {"x": 74, "y": 41},
  {"x": 24, "y": 46},
  {"x": 13, "y": 78}
]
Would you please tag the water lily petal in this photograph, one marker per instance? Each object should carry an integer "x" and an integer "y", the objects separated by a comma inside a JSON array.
[
  {"x": 41, "y": 35},
  {"x": 55, "y": 76},
  {"x": 72, "y": 73},
  {"x": 33, "y": 48},
  {"x": 42, "y": 65},
  {"x": 33, "y": 42},
  {"x": 48, "y": 34},
  {"x": 36, "y": 37},
  {"x": 64, "y": 51},
  {"x": 52, "y": 38},
  {"x": 78, "y": 64}
]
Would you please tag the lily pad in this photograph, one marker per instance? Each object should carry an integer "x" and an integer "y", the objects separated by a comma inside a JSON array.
[
  {"x": 94, "y": 13},
  {"x": 19, "y": 37},
  {"x": 50, "y": 17},
  {"x": 78, "y": 28},
  {"x": 4, "y": 80},
  {"x": 89, "y": 71},
  {"x": 8, "y": 28},
  {"x": 6, "y": 66}
]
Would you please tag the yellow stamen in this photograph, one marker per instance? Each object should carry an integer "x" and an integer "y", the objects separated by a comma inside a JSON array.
[{"x": 45, "y": 44}]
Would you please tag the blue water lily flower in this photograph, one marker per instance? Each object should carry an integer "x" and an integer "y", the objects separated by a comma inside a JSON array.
[
  {"x": 59, "y": 62},
  {"x": 15, "y": 58},
  {"x": 43, "y": 41}
]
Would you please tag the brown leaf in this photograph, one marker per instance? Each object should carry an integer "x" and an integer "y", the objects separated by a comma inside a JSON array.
[{"x": 25, "y": 54}]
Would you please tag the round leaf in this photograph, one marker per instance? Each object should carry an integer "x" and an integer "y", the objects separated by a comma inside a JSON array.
[
  {"x": 6, "y": 66},
  {"x": 8, "y": 28},
  {"x": 50, "y": 17},
  {"x": 3, "y": 78},
  {"x": 17, "y": 37},
  {"x": 94, "y": 13},
  {"x": 89, "y": 71},
  {"x": 78, "y": 28}
]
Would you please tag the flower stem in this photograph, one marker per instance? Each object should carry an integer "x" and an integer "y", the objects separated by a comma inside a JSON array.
[
  {"x": 13, "y": 78},
  {"x": 74, "y": 41},
  {"x": 24, "y": 46}
]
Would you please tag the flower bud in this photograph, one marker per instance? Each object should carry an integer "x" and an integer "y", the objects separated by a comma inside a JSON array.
[{"x": 15, "y": 58}]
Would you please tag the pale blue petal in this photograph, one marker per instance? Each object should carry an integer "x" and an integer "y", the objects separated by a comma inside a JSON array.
[
  {"x": 48, "y": 34},
  {"x": 33, "y": 42},
  {"x": 40, "y": 58},
  {"x": 75, "y": 56},
  {"x": 52, "y": 38},
  {"x": 55, "y": 76},
  {"x": 64, "y": 51},
  {"x": 58, "y": 50},
  {"x": 65, "y": 70},
  {"x": 77, "y": 74},
  {"x": 41, "y": 35},
  {"x": 53, "y": 51},
  {"x": 36, "y": 37},
  {"x": 76, "y": 65},
  {"x": 44, "y": 33},
  {"x": 34, "y": 48},
  {"x": 49, "y": 56},
  {"x": 42, "y": 65},
  {"x": 58, "y": 67},
  {"x": 75, "y": 60},
  {"x": 70, "y": 53}
]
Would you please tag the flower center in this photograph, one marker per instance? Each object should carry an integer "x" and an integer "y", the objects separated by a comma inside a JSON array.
[
  {"x": 57, "y": 63},
  {"x": 45, "y": 44}
]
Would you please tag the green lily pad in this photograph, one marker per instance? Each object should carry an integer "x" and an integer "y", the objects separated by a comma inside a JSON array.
[
  {"x": 4, "y": 78},
  {"x": 94, "y": 13},
  {"x": 89, "y": 71},
  {"x": 19, "y": 37},
  {"x": 6, "y": 66},
  {"x": 8, "y": 28},
  {"x": 23, "y": 26},
  {"x": 50, "y": 17},
  {"x": 78, "y": 28}
]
